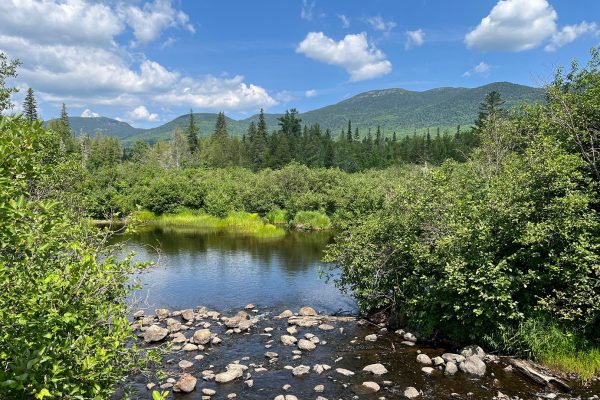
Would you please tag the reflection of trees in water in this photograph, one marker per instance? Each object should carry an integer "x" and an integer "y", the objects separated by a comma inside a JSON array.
[{"x": 295, "y": 252}]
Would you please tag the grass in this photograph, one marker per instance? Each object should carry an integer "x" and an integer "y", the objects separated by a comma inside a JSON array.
[
  {"x": 555, "y": 348},
  {"x": 311, "y": 220},
  {"x": 277, "y": 217},
  {"x": 238, "y": 222}
]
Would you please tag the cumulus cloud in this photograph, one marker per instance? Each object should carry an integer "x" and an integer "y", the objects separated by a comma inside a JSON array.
[
  {"x": 378, "y": 23},
  {"x": 310, "y": 93},
  {"x": 149, "y": 21},
  {"x": 345, "y": 21},
  {"x": 414, "y": 38},
  {"x": 141, "y": 113},
  {"x": 569, "y": 33},
  {"x": 353, "y": 53},
  {"x": 307, "y": 9},
  {"x": 87, "y": 113},
  {"x": 481, "y": 69},
  {"x": 514, "y": 25},
  {"x": 70, "y": 54}
]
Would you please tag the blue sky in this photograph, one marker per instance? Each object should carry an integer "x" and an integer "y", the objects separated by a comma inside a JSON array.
[{"x": 146, "y": 62}]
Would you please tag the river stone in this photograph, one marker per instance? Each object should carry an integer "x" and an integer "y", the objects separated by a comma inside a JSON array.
[
  {"x": 411, "y": 393},
  {"x": 375, "y": 369},
  {"x": 162, "y": 313},
  {"x": 473, "y": 351},
  {"x": 271, "y": 354},
  {"x": 234, "y": 371},
  {"x": 473, "y": 365},
  {"x": 307, "y": 312},
  {"x": 185, "y": 364},
  {"x": 451, "y": 368},
  {"x": 424, "y": 359},
  {"x": 285, "y": 314},
  {"x": 371, "y": 338},
  {"x": 139, "y": 314},
  {"x": 344, "y": 372},
  {"x": 209, "y": 392},
  {"x": 186, "y": 383},
  {"x": 304, "y": 344},
  {"x": 409, "y": 337},
  {"x": 437, "y": 361},
  {"x": 286, "y": 397},
  {"x": 187, "y": 315},
  {"x": 288, "y": 340},
  {"x": 326, "y": 327},
  {"x": 179, "y": 338},
  {"x": 202, "y": 336},
  {"x": 320, "y": 368},
  {"x": 234, "y": 322},
  {"x": 320, "y": 388},
  {"x": 453, "y": 357},
  {"x": 155, "y": 333},
  {"x": 428, "y": 370},
  {"x": 366, "y": 388},
  {"x": 292, "y": 330},
  {"x": 189, "y": 347},
  {"x": 301, "y": 370}
]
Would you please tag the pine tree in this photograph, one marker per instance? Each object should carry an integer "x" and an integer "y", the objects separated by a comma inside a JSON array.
[
  {"x": 192, "y": 134},
  {"x": 491, "y": 107},
  {"x": 30, "y": 106},
  {"x": 64, "y": 118},
  {"x": 349, "y": 132}
]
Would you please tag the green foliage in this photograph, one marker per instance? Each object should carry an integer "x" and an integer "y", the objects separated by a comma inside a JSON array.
[
  {"x": 8, "y": 69},
  {"x": 311, "y": 220},
  {"x": 30, "y": 106},
  {"x": 277, "y": 217},
  {"x": 63, "y": 325}
]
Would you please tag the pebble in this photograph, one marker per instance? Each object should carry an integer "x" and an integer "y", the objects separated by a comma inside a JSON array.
[{"x": 371, "y": 338}]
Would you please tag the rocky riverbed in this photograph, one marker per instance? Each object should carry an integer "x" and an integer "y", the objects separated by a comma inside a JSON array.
[{"x": 257, "y": 353}]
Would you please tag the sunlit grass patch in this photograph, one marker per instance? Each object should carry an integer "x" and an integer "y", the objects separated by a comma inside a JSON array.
[
  {"x": 311, "y": 220},
  {"x": 277, "y": 217}
]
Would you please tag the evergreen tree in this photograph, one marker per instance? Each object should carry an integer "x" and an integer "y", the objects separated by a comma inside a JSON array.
[
  {"x": 30, "y": 106},
  {"x": 64, "y": 118},
  {"x": 490, "y": 107},
  {"x": 349, "y": 132},
  {"x": 192, "y": 134}
]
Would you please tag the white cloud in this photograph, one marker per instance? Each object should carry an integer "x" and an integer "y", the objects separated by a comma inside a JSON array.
[
  {"x": 307, "y": 9},
  {"x": 569, "y": 33},
  {"x": 87, "y": 113},
  {"x": 310, "y": 93},
  {"x": 70, "y": 54},
  {"x": 514, "y": 25},
  {"x": 353, "y": 53},
  {"x": 482, "y": 69},
  {"x": 378, "y": 23},
  {"x": 345, "y": 21},
  {"x": 414, "y": 38},
  {"x": 151, "y": 19},
  {"x": 141, "y": 113}
]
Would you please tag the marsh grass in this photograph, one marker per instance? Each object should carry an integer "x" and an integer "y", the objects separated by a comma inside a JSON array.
[
  {"x": 277, "y": 217},
  {"x": 553, "y": 347},
  {"x": 311, "y": 220},
  {"x": 238, "y": 222}
]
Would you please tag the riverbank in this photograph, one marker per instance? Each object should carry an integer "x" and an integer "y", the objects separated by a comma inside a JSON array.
[{"x": 257, "y": 353}]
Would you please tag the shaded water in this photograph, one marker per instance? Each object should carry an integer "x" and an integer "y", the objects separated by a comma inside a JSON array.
[{"x": 224, "y": 272}]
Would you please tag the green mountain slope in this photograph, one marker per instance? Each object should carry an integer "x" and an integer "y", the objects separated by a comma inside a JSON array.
[{"x": 397, "y": 110}]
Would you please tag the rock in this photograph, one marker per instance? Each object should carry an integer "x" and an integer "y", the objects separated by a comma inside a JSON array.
[
  {"x": 234, "y": 322},
  {"x": 437, "y": 361},
  {"x": 366, "y": 388},
  {"x": 185, "y": 364},
  {"x": 320, "y": 368},
  {"x": 344, "y": 372},
  {"x": 286, "y": 387},
  {"x": 231, "y": 396},
  {"x": 173, "y": 325},
  {"x": 451, "y": 368},
  {"x": 472, "y": 350},
  {"x": 410, "y": 337},
  {"x": 320, "y": 388},
  {"x": 234, "y": 371},
  {"x": 307, "y": 312},
  {"x": 371, "y": 338},
  {"x": 424, "y": 359},
  {"x": 202, "y": 336},
  {"x": 473, "y": 365},
  {"x": 411, "y": 393},
  {"x": 162, "y": 313},
  {"x": 455, "y": 358},
  {"x": 428, "y": 370},
  {"x": 245, "y": 325},
  {"x": 268, "y": 329},
  {"x": 179, "y": 338},
  {"x": 189, "y": 347},
  {"x": 199, "y": 357},
  {"x": 138, "y": 314},
  {"x": 249, "y": 383},
  {"x": 285, "y": 314},
  {"x": 292, "y": 330},
  {"x": 407, "y": 343},
  {"x": 301, "y": 370},
  {"x": 271, "y": 354},
  {"x": 187, "y": 315},
  {"x": 288, "y": 340},
  {"x": 286, "y": 397},
  {"x": 326, "y": 327},
  {"x": 216, "y": 340},
  {"x": 186, "y": 383},
  {"x": 209, "y": 392},
  {"x": 375, "y": 369},
  {"x": 304, "y": 344},
  {"x": 150, "y": 386},
  {"x": 155, "y": 333}
]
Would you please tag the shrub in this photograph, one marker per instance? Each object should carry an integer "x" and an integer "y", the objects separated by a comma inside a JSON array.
[{"x": 311, "y": 220}]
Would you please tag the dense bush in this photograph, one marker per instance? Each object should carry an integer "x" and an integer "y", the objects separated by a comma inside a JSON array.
[{"x": 62, "y": 318}]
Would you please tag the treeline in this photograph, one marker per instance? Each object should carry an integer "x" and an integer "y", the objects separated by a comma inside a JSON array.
[{"x": 349, "y": 150}]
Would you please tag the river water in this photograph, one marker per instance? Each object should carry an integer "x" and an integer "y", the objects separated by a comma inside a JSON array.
[{"x": 225, "y": 272}]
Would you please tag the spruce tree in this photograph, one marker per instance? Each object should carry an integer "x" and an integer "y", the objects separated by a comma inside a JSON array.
[
  {"x": 192, "y": 134},
  {"x": 30, "y": 106},
  {"x": 64, "y": 118},
  {"x": 349, "y": 132}
]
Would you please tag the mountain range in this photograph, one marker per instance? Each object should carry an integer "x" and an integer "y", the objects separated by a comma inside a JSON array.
[{"x": 397, "y": 110}]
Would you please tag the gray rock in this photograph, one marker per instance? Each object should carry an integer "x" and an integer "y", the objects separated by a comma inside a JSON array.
[
  {"x": 455, "y": 358},
  {"x": 437, "y": 361},
  {"x": 428, "y": 370},
  {"x": 409, "y": 337},
  {"x": 304, "y": 344},
  {"x": 424, "y": 359},
  {"x": 301, "y": 370},
  {"x": 234, "y": 371},
  {"x": 186, "y": 384},
  {"x": 285, "y": 314},
  {"x": 473, "y": 350},
  {"x": 202, "y": 336},
  {"x": 320, "y": 388},
  {"x": 473, "y": 365},
  {"x": 326, "y": 327},
  {"x": 162, "y": 313},
  {"x": 451, "y": 368},
  {"x": 187, "y": 315},
  {"x": 371, "y": 338},
  {"x": 411, "y": 393},
  {"x": 138, "y": 314},
  {"x": 209, "y": 392},
  {"x": 185, "y": 364},
  {"x": 155, "y": 333},
  {"x": 344, "y": 372},
  {"x": 288, "y": 340},
  {"x": 307, "y": 312},
  {"x": 375, "y": 369},
  {"x": 366, "y": 388}
]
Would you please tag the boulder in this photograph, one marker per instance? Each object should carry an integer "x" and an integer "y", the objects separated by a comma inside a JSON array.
[
  {"x": 162, "y": 313},
  {"x": 233, "y": 371},
  {"x": 307, "y": 312},
  {"x": 304, "y": 344},
  {"x": 472, "y": 350},
  {"x": 366, "y": 388},
  {"x": 375, "y": 369},
  {"x": 187, "y": 315},
  {"x": 450, "y": 368},
  {"x": 186, "y": 384},
  {"x": 411, "y": 393},
  {"x": 424, "y": 359},
  {"x": 155, "y": 333},
  {"x": 453, "y": 357},
  {"x": 437, "y": 361},
  {"x": 202, "y": 336},
  {"x": 473, "y": 365},
  {"x": 288, "y": 340}
]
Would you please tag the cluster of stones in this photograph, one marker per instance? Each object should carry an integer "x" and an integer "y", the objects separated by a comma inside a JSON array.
[{"x": 470, "y": 360}]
